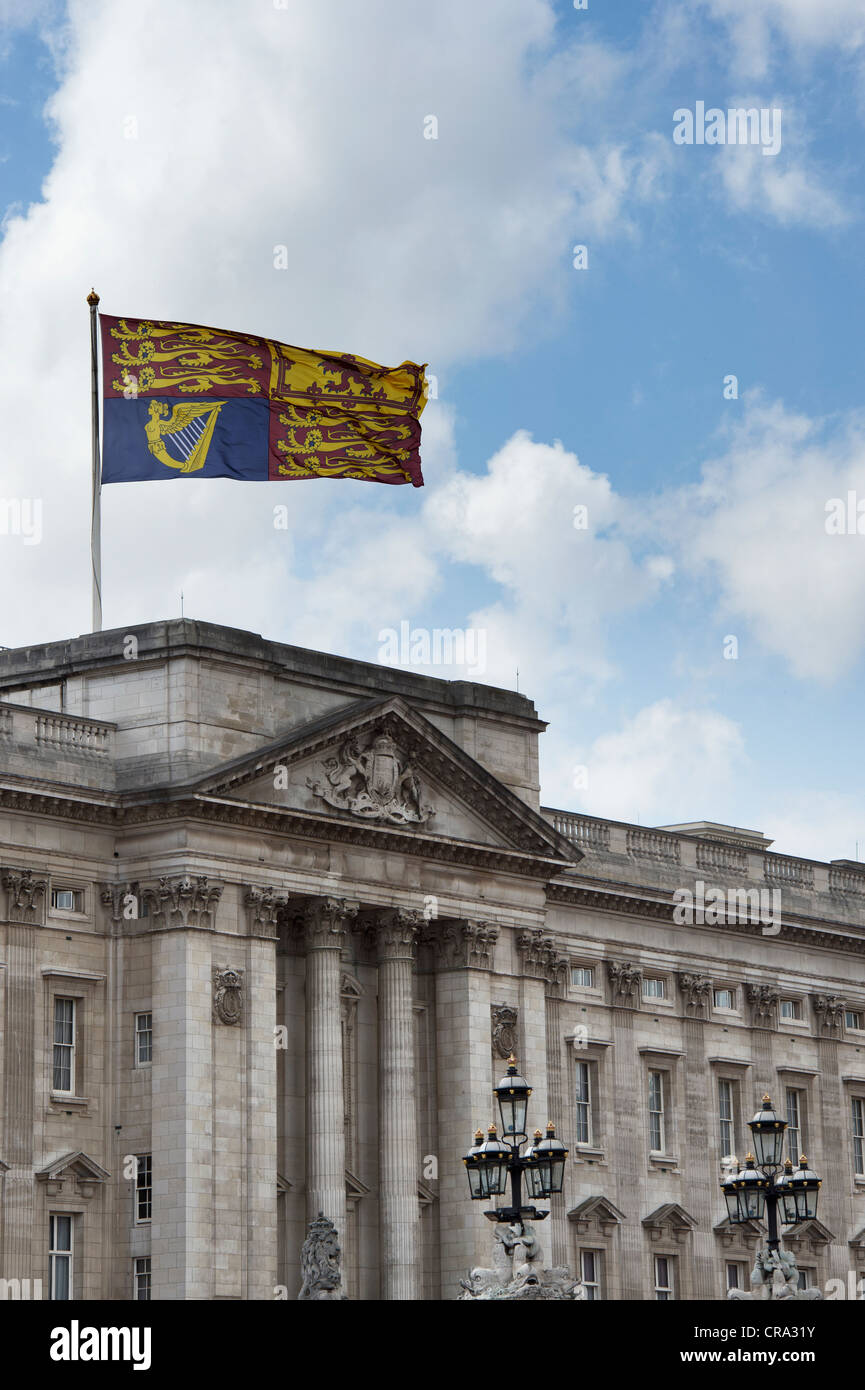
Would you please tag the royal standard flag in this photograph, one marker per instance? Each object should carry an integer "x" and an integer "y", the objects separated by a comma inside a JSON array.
[{"x": 181, "y": 400}]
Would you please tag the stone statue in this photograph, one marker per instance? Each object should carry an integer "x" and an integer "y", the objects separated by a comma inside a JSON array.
[
  {"x": 319, "y": 1262},
  {"x": 775, "y": 1276},
  {"x": 517, "y": 1271}
]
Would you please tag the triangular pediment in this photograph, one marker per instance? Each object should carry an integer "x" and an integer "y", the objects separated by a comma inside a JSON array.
[
  {"x": 77, "y": 1164},
  {"x": 672, "y": 1215},
  {"x": 726, "y": 1227},
  {"x": 381, "y": 766},
  {"x": 812, "y": 1230},
  {"x": 599, "y": 1209}
]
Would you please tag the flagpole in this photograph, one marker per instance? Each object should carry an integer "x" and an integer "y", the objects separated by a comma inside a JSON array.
[{"x": 96, "y": 503}]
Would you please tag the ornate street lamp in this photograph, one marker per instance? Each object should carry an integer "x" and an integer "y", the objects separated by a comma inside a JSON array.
[
  {"x": 489, "y": 1164},
  {"x": 762, "y": 1185}
]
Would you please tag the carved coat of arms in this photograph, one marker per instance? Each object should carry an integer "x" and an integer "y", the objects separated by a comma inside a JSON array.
[
  {"x": 227, "y": 995},
  {"x": 376, "y": 783}
]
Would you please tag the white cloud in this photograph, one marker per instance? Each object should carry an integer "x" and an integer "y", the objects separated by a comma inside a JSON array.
[
  {"x": 789, "y": 192},
  {"x": 560, "y": 583},
  {"x": 666, "y": 764},
  {"x": 816, "y": 824},
  {"x": 787, "y": 186},
  {"x": 756, "y": 526},
  {"x": 805, "y": 25}
]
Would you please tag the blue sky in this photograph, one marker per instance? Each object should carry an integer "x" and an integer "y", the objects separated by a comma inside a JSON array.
[{"x": 555, "y": 129}]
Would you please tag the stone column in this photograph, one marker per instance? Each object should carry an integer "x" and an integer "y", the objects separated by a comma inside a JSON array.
[
  {"x": 544, "y": 972},
  {"x": 464, "y": 958},
  {"x": 25, "y": 907},
  {"x": 18, "y": 1097},
  {"x": 325, "y": 925},
  {"x": 397, "y": 931}
]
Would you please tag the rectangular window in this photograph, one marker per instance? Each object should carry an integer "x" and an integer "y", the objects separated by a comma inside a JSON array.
[
  {"x": 583, "y": 977},
  {"x": 144, "y": 1189},
  {"x": 734, "y": 1276},
  {"x": 791, "y": 1008},
  {"x": 724, "y": 999},
  {"x": 656, "y": 1112},
  {"x": 853, "y": 1019},
  {"x": 60, "y": 1256},
  {"x": 143, "y": 1038},
  {"x": 141, "y": 1279},
  {"x": 727, "y": 1116},
  {"x": 63, "y": 1068},
  {"x": 654, "y": 989},
  {"x": 590, "y": 1273},
  {"x": 67, "y": 899},
  {"x": 858, "y": 1116},
  {"x": 664, "y": 1278},
  {"x": 795, "y": 1138},
  {"x": 584, "y": 1104},
  {"x": 806, "y": 1278}
]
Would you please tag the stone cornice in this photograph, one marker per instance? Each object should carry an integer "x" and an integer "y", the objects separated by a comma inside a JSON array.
[
  {"x": 806, "y": 931},
  {"x": 115, "y": 816}
]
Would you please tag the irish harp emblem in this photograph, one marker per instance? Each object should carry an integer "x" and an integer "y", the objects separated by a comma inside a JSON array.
[{"x": 188, "y": 430}]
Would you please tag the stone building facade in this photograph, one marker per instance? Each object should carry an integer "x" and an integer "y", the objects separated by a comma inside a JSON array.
[{"x": 271, "y": 922}]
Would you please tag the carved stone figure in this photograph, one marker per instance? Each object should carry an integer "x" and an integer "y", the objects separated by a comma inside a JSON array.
[
  {"x": 319, "y": 1263},
  {"x": 517, "y": 1272},
  {"x": 775, "y": 1276},
  {"x": 377, "y": 783}
]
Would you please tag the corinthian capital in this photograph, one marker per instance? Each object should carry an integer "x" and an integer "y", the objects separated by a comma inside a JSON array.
[
  {"x": 540, "y": 958},
  {"x": 263, "y": 908},
  {"x": 326, "y": 922},
  {"x": 463, "y": 943},
  {"x": 396, "y": 931},
  {"x": 25, "y": 895}
]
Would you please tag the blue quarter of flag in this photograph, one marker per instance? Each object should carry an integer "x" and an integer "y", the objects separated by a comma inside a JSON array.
[{"x": 197, "y": 437}]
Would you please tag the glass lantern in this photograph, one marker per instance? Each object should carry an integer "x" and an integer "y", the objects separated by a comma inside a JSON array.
[
  {"x": 513, "y": 1093},
  {"x": 768, "y": 1129}
]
